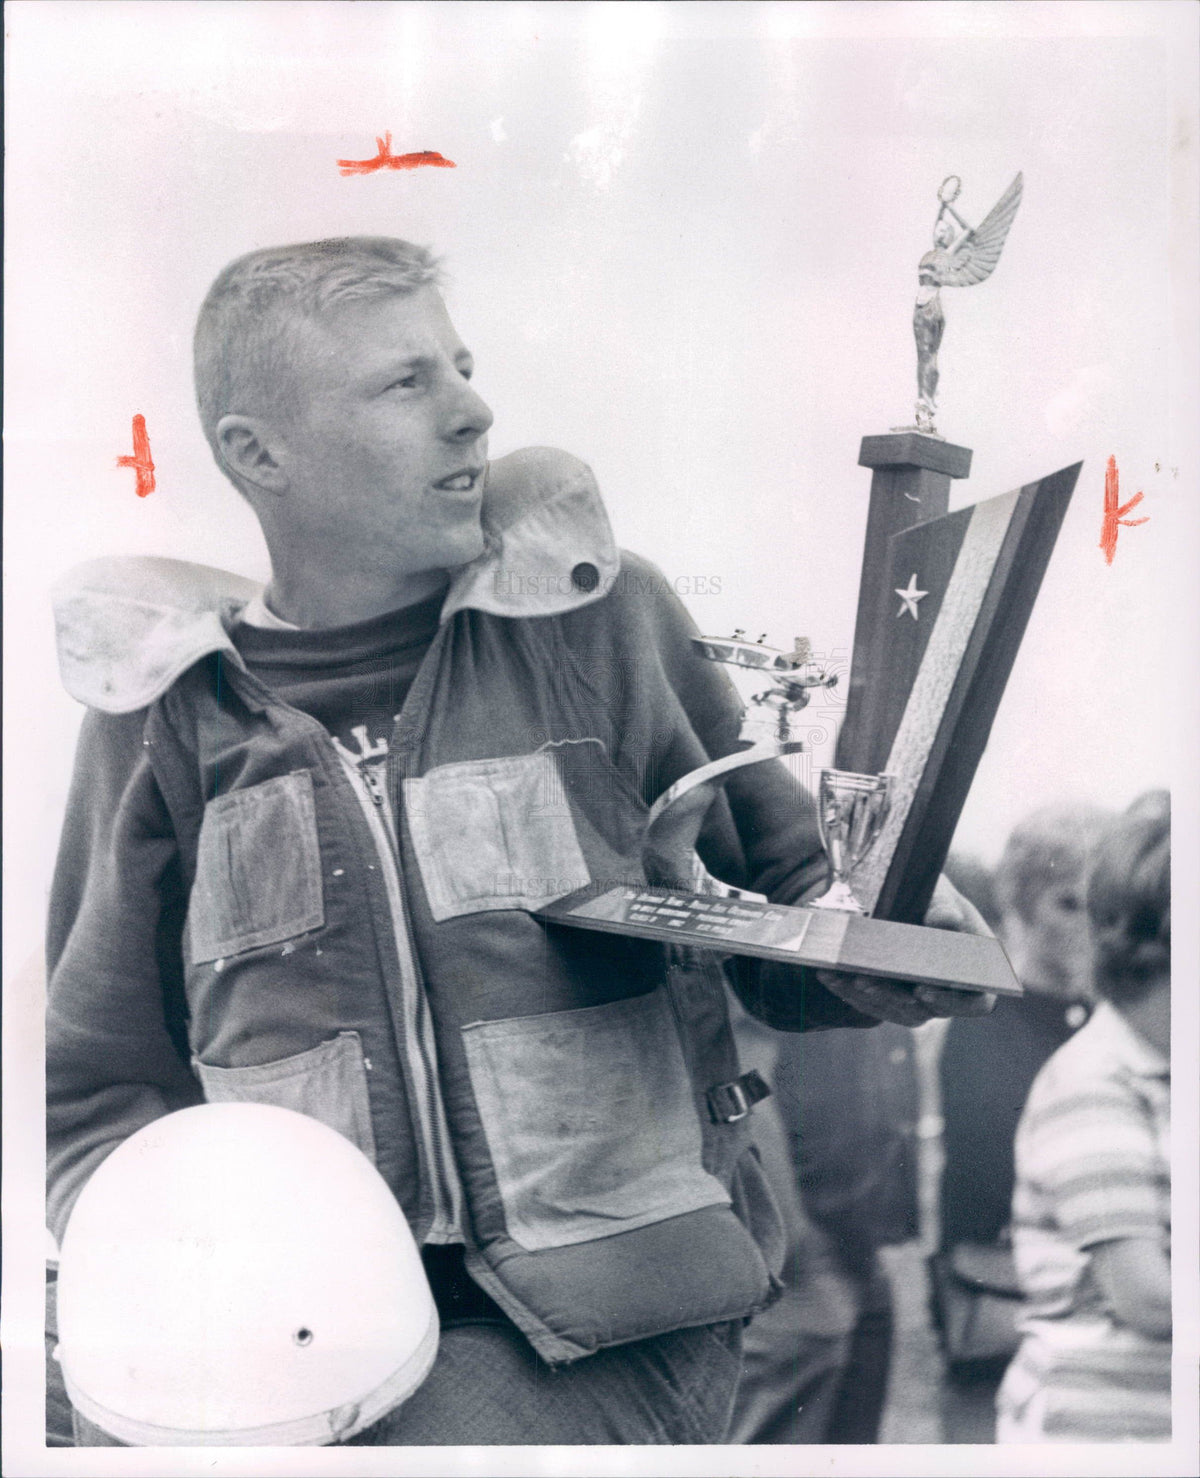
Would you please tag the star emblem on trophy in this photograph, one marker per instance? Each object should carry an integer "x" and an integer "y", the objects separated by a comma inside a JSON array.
[{"x": 910, "y": 597}]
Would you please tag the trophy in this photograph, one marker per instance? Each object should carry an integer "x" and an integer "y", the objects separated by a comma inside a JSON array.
[
  {"x": 943, "y": 601},
  {"x": 850, "y": 813}
]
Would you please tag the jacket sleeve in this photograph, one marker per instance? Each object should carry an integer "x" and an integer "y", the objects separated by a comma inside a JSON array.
[
  {"x": 761, "y": 832},
  {"x": 116, "y": 1051}
]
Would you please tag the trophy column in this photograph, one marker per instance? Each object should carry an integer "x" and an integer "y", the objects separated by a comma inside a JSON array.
[{"x": 910, "y": 484}]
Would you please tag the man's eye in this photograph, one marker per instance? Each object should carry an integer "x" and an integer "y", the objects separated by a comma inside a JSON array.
[{"x": 409, "y": 382}]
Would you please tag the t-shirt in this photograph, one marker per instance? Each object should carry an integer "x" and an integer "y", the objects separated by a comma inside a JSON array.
[
  {"x": 1093, "y": 1166},
  {"x": 352, "y": 679}
]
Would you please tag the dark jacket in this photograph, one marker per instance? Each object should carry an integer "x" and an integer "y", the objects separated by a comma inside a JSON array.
[{"x": 236, "y": 916}]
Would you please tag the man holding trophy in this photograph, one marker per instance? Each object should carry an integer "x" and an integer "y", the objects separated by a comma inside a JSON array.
[{"x": 406, "y": 842}]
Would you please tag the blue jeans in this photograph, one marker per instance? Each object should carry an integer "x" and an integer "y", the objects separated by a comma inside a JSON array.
[{"x": 488, "y": 1387}]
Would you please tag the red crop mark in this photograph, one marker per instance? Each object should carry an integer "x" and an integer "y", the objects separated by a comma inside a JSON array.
[
  {"x": 140, "y": 461},
  {"x": 385, "y": 159},
  {"x": 1115, "y": 511}
]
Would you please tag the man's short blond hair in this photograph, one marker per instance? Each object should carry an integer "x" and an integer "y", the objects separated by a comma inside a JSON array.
[{"x": 244, "y": 344}]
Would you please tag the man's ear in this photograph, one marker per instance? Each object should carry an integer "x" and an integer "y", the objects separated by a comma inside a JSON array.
[{"x": 245, "y": 448}]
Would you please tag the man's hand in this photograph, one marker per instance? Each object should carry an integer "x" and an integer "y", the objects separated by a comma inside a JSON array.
[{"x": 913, "y": 1005}]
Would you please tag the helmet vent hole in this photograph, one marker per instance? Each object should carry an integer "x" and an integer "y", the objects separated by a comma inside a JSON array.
[{"x": 303, "y": 1337}]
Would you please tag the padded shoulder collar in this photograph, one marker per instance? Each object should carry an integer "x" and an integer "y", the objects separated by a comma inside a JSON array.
[
  {"x": 550, "y": 547},
  {"x": 129, "y": 626}
]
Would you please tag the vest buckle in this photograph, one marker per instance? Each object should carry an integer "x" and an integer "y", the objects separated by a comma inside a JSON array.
[{"x": 729, "y": 1102}]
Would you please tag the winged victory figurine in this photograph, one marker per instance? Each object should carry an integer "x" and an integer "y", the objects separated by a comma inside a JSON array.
[{"x": 961, "y": 257}]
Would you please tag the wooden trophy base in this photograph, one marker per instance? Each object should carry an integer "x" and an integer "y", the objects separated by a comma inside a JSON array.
[{"x": 825, "y": 938}]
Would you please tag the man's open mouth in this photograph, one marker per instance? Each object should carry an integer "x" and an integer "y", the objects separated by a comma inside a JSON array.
[{"x": 461, "y": 482}]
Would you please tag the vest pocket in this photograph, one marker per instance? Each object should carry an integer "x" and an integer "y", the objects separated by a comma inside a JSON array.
[
  {"x": 590, "y": 1120},
  {"x": 494, "y": 834},
  {"x": 328, "y": 1082},
  {"x": 258, "y": 869}
]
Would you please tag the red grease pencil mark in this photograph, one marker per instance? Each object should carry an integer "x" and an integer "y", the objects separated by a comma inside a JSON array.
[
  {"x": 1115, "y": 511},
  {"x": 385, "y": 159},
  {"x": 140, "y": 461}
]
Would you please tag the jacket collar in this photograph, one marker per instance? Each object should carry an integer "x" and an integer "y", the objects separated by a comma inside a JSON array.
[{"x": 129, "y": 626}]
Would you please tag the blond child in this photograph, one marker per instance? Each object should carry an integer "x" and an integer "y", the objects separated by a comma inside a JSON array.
[{"x": 1091, "y": 1209}]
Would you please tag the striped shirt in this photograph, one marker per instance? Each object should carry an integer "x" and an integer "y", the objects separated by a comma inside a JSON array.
[{"x": 1093, "y": 1166}]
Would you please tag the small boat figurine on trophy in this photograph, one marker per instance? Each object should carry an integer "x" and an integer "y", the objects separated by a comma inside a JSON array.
[
  {"x": 850, "y": 807},
  {"x": 668, "y": 853}
]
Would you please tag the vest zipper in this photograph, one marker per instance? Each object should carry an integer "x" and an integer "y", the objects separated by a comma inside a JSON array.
[
  {"x": 675, "y": 961},
  {"x": 418, "y": 1046}
]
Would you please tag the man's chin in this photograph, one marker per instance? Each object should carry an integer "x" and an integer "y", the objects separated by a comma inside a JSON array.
[{"x": 465, "y": 547}]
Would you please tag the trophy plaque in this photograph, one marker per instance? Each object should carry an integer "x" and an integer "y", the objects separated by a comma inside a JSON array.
[
  {"x": 943, "y": 602},
  {"x": 829, "y": 939}
]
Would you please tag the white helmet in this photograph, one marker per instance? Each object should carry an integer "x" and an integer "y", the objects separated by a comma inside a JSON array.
[{"x": 237, "y": 1274}]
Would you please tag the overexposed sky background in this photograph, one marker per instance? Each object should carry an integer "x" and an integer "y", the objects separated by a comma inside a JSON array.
[
  {"x": 682, "y": 242},
  {"x": 683, "y": 245}
]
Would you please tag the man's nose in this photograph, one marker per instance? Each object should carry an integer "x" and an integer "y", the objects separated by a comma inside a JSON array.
[{"x": 470, "y": 415}]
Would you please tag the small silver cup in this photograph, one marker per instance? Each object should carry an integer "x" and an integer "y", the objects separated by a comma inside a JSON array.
[{"x": 851, "y": 810}]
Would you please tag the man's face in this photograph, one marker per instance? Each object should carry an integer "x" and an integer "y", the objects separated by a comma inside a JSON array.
[{"x": 386, "y": 443}]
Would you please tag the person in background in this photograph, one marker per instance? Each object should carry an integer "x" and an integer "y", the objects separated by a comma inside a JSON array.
[
  {"x": 983, "y": 1079},
  {"x": 1092, "y": 1206},
  {"x": 838, "y": 1143},
  {"x": 985, "y": 1074},
  {"x": 975, "y": 880},
  {"x": 1152, "y": 803},
  {"x": 854, "y": 1110},
  {"x": 796, "y": 1353}
]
